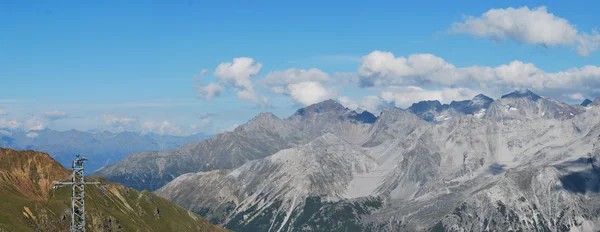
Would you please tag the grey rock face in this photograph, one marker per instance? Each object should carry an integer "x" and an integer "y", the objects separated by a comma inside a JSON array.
[
  {"x": 434, "y": 111},
  {"x": 262, "y": 136},
  {"x": 517, "y": 163},
  {"x": 527, "y": 105},
  {"x": 323, "y": 167},
  {"x": 465, "y": 174},
  {"x": 516, "y": 105},
  {"x": 596, "y": 102}
]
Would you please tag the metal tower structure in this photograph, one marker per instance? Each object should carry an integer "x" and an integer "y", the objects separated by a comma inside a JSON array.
[{"x": 78, "y": 194}]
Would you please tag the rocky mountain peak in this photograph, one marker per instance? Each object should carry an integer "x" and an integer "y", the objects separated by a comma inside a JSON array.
[
  {"x": 586, "y": 102},
  {"x": 596, "y": 102},
  {"x": 481, "y": 100},
  {"x": 522, "y": 94},
  {"x": 423, "y": 106},
  {"x": 266, "y": 115},
  {"x": 261, "y": 120},
  {"x": 364, "y": 117},
  {"x": 321, "y": 107}
]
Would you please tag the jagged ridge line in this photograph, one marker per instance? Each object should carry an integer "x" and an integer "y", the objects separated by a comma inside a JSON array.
[{"x": 463, "y": 136}]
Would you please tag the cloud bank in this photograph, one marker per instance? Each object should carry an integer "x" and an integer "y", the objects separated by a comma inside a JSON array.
[{"x": 530, "y": 26}]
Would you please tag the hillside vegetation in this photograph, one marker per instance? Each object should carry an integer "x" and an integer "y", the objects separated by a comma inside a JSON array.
[{"x": 28, "y": 203}]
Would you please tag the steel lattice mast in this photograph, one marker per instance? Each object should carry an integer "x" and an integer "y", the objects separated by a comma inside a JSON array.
[{"x": 78, "y": 194}]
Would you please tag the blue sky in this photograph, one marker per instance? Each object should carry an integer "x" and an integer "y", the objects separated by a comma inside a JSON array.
[{"x": 120, "y": 65}]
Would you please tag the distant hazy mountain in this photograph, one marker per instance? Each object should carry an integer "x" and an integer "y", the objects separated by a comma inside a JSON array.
[
  {"x": 522, "y": 163},
  {"x": 101, "y": 148},
  {"x": 264, "y": 135}
]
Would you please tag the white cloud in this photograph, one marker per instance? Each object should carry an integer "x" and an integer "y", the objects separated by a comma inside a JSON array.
[
  {"x": 34, "y": 124},
  {"x": 32, "y": 135},
  {"x": 281, "y": 79},
  {"x": 119, "y": 122},
  {"x": 5, "y": 133},
  {"x": 405, "y": 96},
  {"x": 588, "y": 43},
  {"x": 162, "y": 128},
  {"x": 368, "y": 103},
  {"x": 302, "y": 85},
  {"x": 576, "y": 96},
  {"x": 10, "y": 124},
  {"x": 382, "y": 69},
  {"x": 55, "y": 115},
  {"x": 209, "y": 91},
  {"x": 531, "y": 26},
  {"x": 309, "y": 92},
  {"x": 3, "y": 112},
  {"x": 238, "y": 75},
  {"x": 348, "y": 102}
]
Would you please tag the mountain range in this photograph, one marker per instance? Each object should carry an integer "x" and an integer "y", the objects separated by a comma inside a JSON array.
[
  {"x": 101, "y": 148},
  {"x": 522, "y": 162},
  {"x": 28, "y": 202},
  {"x": 262, "y": 136}
]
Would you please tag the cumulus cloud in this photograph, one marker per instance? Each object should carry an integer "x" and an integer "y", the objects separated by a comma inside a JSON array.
[
  {"x": 31, "y": 124},
  {"x": 525, "y": 25},
  {"x": 55, "y": 115},
  {"x": 9, "y": 124},
  {"x": 209, "y": 91},
  {"x": 119, "y": 122},
  {"x": 3, "y": 112},
  {"x": 379, "y": 68},
  {"x": 309, "y": 92},
  {"x": 405, "y": 96},
  {"x": 368, "y": 103},
  {"x": 588, "y": 43},
  {"x": 239, "y": 72},
  {"x": 302, "y": 85},
  {"x": 236, "y": 76},
  {"x": 34, "y": 124},
  {"x": 281, "y": 79},
  {"x": 428, "y": 71}
]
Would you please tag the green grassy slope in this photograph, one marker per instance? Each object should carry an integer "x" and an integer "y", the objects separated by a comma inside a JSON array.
[{"x": 28, "y": 203}]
